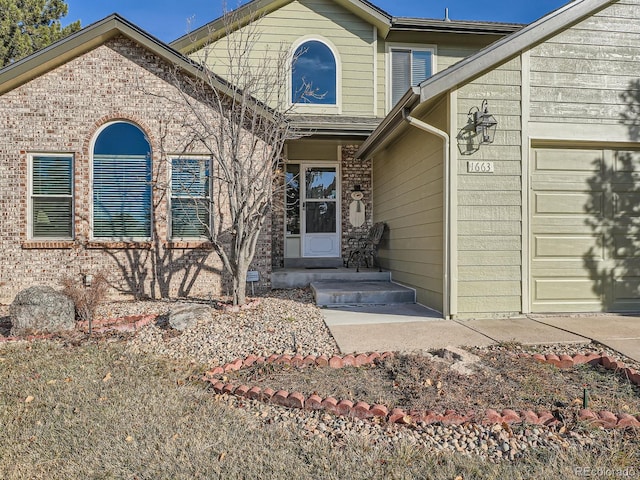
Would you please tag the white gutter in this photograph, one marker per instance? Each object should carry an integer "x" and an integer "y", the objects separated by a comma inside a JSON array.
[{"x": 446, "y": 304}]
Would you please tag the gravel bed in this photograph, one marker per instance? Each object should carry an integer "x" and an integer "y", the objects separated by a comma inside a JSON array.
[
  {"x": 285, "y": 322},
  {"x": 494, "y": 442}
]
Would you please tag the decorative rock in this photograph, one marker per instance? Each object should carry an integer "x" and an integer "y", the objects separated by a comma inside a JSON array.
[
  {"x": 362, "y": 359},
  {"x": 314, "y": 402},
  {"x": 249, "y": 361},
  {"x": 362, "y": 410},
  {"x": 322, "y": 361},
  {"x": 241, "y": 391},
  {"x": 186, "y": 315},
  {"x": 586, "y": 415},
  {"x": 330, "y": 404},
  {"x": 41, "y": 309},
  {"x": 344, "y": 407},
  {"x": 379, "y": 411},
  {"x": 510, "y": 416},
  {"x": 295, "y": 400},
  {"x": 626, "y": 420},
  {"x": 335, "y": 362},
  {"x": 255, "y": 393},
  {"x": 280, "y": 398},
  {"x": 349, "y": 361}
]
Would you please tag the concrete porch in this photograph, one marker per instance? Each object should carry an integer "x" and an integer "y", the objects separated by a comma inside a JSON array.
[{"x": 341, "y": 286}]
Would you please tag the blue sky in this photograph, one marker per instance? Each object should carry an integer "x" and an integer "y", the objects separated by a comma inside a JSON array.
[{"x": 170, "y": 19}]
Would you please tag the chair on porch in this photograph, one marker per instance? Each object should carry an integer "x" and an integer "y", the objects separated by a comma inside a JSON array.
[{"x": 363, "y": 248}]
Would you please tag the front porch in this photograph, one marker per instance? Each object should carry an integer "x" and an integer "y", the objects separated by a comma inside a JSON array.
[{"x": 344, "y": 286}]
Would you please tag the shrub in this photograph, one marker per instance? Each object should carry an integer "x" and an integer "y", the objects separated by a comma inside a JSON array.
[{"x": 86, "y": 299}]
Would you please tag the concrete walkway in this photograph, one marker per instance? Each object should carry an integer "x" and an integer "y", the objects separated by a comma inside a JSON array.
[{"x": 413, "y": 327}]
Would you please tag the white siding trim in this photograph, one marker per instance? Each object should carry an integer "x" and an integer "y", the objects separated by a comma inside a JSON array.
[
  {"x": 452, "y": 198},
  {"x": 375, "y": 71},
  {"x": 321, "y": 109},
  {"x": 412, "y": 46},
  {"x": 579, "y": 132},
  {"x": 525, "y": 115}
]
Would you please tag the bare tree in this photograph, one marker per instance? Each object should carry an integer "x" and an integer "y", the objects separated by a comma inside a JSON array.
[{"x": 240, "y": 116}]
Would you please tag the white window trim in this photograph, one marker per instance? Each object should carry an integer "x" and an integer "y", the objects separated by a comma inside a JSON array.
[
  {"x": 92, "y": 148},
  {"x": 414, "y": 47},
  {"x": 171, "y": 158},
  {"x": 30, "y": 196},
  {"x": 310, "y": 108}
]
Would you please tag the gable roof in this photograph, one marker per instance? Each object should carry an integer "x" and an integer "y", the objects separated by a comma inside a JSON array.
[
  {"x": 256, "y": 8},
  {"x": 367, "y": 11},
  {"x": 483, "y": 61},
  {"x": 84, "y": 40}
]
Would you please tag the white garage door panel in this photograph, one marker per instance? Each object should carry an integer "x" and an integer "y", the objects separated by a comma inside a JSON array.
[{"x": 585, "y": 228}]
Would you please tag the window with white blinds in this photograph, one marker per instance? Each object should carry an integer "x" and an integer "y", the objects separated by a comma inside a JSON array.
[
  {"x": 190, "y": 194},
  {"x": 51, "y": 203},
  {"x": 409, "y": 67},
  {"x": 122, "y": 183}
]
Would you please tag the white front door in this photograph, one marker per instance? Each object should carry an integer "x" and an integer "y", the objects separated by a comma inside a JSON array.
[{"x": 320, "y": 210}]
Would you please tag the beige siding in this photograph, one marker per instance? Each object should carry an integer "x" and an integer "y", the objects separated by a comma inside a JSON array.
[
  {"x": 582, "y": 75},
  {"x": 351, "y": 36},
  {"x": 408, "y": 197},
  {"x": 489, "y": 225}
]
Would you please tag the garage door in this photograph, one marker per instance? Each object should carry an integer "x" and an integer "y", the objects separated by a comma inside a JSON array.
[{"x": 585, "y": 228}]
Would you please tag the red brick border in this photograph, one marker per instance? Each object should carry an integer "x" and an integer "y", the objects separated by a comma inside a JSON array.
[{"x": 363, "y": 410}]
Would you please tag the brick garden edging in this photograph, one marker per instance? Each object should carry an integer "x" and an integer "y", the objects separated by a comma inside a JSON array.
[
  {"x": 363, "y": 410},
  {"x": 131, "y": 323}
]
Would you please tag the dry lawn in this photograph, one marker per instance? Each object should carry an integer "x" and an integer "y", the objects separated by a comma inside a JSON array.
[{"x": 94, "y": 411}]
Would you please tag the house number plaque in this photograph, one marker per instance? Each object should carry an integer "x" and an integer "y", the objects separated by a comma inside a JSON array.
[{"x": 479, "y": 167}]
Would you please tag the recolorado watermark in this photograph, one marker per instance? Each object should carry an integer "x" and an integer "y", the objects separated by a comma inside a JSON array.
[{"x": 602, "y": 472}]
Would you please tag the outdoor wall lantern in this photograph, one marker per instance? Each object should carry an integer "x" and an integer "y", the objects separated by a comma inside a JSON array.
[{"x": 483, "y": 122}]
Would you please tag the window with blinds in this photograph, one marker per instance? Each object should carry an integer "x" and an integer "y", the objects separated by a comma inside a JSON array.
[
  {"x": 409, "y": 67},
  {"x": 190, "y": 194},
  {"x": 51, "y": 196},
  {"x": 122, "y": 183}
]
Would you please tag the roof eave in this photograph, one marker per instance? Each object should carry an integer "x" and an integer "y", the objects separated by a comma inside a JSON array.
[
  {"x": 390, "y": 125},
  {"x": 508, "y": 47},
  {"x": 405, "y": 24},
  {"x": 256, "y": 8}
]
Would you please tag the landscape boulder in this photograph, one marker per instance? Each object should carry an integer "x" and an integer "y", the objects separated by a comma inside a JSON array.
[
  {"x": 185, "y": 315},
  {"x": 41, "y": 309}
]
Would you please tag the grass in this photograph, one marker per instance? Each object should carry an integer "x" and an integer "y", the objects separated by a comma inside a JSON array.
[{"x": 95, "y": 411}]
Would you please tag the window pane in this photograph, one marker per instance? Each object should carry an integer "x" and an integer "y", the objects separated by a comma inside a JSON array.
[
  {"x": 400, "y": 74},
  {"x": 189, "y": 217},
  {"x": 313, "y": 75},
  {"x": 421, "y": 68},
  {"x": 122, "y": 183},
  {"x": 52, "y": 217},
  {"x": 293, "y": 199},
  {"x": 321, "y": 183},
  {"x": 320, "y": 217},
  {"x": 190, "y": 177},
  {"x": 52, "y": 175},
  {"x": 121, "y": 196},
  {"x": 190, "y": 205},
  {"x": 51, "y": 202}
]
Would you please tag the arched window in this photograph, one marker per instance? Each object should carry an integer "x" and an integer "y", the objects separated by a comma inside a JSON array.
[
  {"x": 314, "y": 75},
  {"x": 121, "y": 183}
]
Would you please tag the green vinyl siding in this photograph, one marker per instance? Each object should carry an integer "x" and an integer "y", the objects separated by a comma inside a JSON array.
[
  {"x": 489, "y": 212},
  {"x": 352, "y": 37},
  {"x": 583, "y": 75},
  {"x": 408, "y": 197}
]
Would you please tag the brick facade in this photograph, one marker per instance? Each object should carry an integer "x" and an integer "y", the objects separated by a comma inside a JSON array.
[
  {"x": 353, "y": 172},
  {"x": 61, "y": 112}
]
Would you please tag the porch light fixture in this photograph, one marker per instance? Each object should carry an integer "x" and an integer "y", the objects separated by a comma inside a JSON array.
[{"x": 483, "y": 123}]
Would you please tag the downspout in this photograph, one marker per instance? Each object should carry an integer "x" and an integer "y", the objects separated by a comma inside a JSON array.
[{"x": 446, "y": 304}]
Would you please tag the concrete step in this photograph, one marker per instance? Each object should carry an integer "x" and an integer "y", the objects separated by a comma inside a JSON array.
[
  {"x": 303, "y": 277},
  {"x": 311, "y": 262},
  {"x": 328, "y": 293}
]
